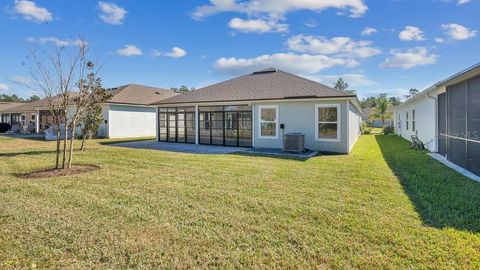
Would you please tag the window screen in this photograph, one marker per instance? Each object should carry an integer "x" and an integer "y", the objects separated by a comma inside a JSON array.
[
  {"x": 473, "y": 157},
  {"x": 457, "y": 152},
  {"x": 456, "y": 96},
  {"x": 473, "y": 109}
]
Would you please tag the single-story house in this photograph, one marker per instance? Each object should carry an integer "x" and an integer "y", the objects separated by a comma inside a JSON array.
[
  {"x": 5, "y": 118},
  {"x": 446, "y": 117},
  {"x": 20, "y": 113},
  {"x": 126, "y": 114},
  {"x": 257, "y": 109}
]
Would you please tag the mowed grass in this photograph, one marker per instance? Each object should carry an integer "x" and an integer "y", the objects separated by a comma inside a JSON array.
[{"x": 383, "y": 206}]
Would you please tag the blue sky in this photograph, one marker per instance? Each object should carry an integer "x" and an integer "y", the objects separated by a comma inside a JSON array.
[{"x": 377, "y": 46}]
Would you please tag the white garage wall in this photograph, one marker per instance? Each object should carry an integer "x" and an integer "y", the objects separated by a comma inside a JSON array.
[
  {"x": 103, "y": 128},
  {"x": 131, "y": 121},
  {"x": 425, "y": 121}
]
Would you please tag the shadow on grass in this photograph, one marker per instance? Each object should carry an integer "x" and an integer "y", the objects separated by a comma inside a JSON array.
[
  {"x": 114, "y": 141},
  {"x": 30, "y": 153},
  {"x": 23, "y": 137},
  {"x": 442, "y": 197},
  {"x": 266, "y": 155}
]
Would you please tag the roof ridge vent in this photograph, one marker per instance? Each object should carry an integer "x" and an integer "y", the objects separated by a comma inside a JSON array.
[{"x": 268, "y": 70}]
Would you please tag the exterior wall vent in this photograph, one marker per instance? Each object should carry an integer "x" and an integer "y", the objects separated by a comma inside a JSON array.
[{"x": 294, "y": 142}]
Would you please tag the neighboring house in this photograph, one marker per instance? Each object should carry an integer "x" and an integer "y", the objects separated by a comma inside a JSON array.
[
  {"x": 126, "y": 114},
  {"x": 367, "y": 117},
  {"x": 257, "y": 109},
  {"x": 20, "y": 113},
  {"x": 446, "y": 117},
  {"x": 6, "y": 117}
]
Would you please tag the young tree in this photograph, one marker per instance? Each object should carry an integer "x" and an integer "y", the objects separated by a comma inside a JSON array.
[
  {"x": 56, "y": 74},
  {"x": 93, "y": 117},
  {"x": 53, "y": 77}
]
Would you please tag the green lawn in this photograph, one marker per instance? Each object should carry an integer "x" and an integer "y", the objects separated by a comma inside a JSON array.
[{"x": 383, "y": 206}]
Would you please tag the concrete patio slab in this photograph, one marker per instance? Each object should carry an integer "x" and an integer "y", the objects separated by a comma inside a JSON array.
[{"x": 180, "y": 147}]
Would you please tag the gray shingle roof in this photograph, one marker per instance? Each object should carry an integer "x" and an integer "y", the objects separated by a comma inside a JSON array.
[
  {"x": 261, "y": 85},
  {"x": 8, "y": 105},
  {"x": 139, "y": 94},
  {"x": 133, "y": 94}
]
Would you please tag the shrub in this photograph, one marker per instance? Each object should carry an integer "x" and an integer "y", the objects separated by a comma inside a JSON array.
[
  {"x": 388, "y": 130},
  {"x": 4, "y": 127}
]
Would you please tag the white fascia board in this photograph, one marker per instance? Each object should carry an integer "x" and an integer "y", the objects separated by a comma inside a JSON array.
[{"x": 249, "y": 102}]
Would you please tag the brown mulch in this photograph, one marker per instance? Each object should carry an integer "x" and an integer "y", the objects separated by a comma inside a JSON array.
[{"x": 76, "y": 169}]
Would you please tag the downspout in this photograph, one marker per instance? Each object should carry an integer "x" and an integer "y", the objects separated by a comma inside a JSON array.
[{"x": 435, "y": 99}]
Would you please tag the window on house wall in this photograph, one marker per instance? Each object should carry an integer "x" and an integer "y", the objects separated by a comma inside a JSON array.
[
  {"x": 413, "y": 120},
  {"x": 269, "y": 121},
  {"x": 327, "y": 121},
  {"x": 406, "y": 121},
  {"x": 399, "y": 122}
]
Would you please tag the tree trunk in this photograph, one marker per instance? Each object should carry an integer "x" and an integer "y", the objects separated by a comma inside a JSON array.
[
  {"x": 83, "y": 143},
  {"x": 72, "y": 139},
  {"x": 57, "y": 161},
  {"x": 65, "y": 145}
]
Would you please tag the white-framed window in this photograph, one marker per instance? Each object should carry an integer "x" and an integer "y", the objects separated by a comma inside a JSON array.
[
  {"x": 327, "y": 122},
  {"x": 399, "y": 122},
  {"x": 413, "y": 120},
  {"x": 406, "y": 121},
  {"x": 268, "y": 121}
]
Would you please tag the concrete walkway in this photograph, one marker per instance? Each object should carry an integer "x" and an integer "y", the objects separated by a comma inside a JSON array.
[
  {"x": 455, "y": 167},
  {"x": 181, "y": 147}
]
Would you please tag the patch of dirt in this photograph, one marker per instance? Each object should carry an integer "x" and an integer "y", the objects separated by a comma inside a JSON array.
[{"x": 46, "y": 173}]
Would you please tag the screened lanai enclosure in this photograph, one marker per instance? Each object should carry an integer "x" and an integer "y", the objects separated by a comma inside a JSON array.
[
  {"x": 217, "y": 125},
  {"x": 459, "y": 124}
]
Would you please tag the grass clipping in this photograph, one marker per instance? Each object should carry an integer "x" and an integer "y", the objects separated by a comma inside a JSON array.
[{"x": 46, "y": 173}]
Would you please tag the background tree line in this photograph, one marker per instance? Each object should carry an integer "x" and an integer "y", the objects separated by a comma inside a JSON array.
[{"x": 15, "y": 98}]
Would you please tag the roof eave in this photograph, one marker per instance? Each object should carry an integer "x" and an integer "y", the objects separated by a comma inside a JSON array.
[{"x": 255, "y": 100}]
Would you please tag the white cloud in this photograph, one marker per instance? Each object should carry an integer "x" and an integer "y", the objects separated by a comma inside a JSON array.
[
  {"x": 296, "y": 63},
  {"x": 3, "y": 87},
  {"x": 111, "y": 13},
  {"x": 257, "y": 25},
  {"x": 56, "y": 41},
  {"x": 439, "y": 40},
  {"x": 129, "y": 50},
  {"x": 343, "y": 46},
  {"x": 277, "y": 8},
  {"x": 461, "y": 2},
  {"x": 411, "y": 33},
  {"x": 417, "y": 56},
  {"x": 311, "y": 23},
  {"x": 458, "y": 32},
  {"x": 21, "y": 80},
  {"x": 367, "y": 31},
  {"x": 175, "y": 53},
  {"x": 31, "y": 12},
  {"x": 353, "y": 79}
]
